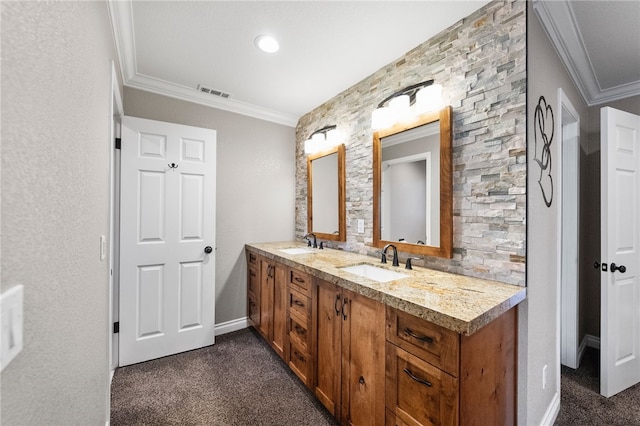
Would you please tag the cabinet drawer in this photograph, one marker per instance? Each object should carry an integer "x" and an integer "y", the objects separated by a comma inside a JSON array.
[
  {"x": 418, "y": 393},
  {"x": 253, "y": 282},
  {"x": 430, "y": 342},
  {"x": 300, "y": 281},
  {"x": 299, "y": 333},
  {"x": 252, "y": 259},
  {"x": 300, "y": 363},
  {"x": 392, "y": 420},
  {"x": 299, "y": 303}
]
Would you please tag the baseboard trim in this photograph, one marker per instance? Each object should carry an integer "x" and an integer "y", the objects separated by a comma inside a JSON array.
[
  {"x": 552, "y": 411},
  {"x": 230, "y": 326},
  {"x": 592, "y": 341},
  {"x": 581, "y": 349}
]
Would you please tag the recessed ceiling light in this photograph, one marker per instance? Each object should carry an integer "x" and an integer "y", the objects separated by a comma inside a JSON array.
[{"x": 267, "y": 43}]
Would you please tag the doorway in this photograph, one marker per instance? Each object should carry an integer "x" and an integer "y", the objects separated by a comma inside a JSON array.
[{"x": 568, "y": 268}]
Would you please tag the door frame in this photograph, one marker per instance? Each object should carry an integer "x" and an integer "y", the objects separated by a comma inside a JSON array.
[
  {"x": 569, "y": 231},
  {"x": 117, "y": 111}
]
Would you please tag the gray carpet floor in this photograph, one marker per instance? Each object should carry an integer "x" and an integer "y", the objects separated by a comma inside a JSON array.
[
  {"x": 581, "y": 402},
  {"x": 238, "y": 381}
]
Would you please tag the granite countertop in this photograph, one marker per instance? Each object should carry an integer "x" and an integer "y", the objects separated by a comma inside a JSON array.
[{"x": 460, "y": 303}]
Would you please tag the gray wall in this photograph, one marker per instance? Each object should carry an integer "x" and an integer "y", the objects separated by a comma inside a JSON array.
[
  {"x": 538, "y": 338},
  {"x": 480, "y": 62},
  {"x": 255, "y": 185},
  {"x": 56, "y": 92}
]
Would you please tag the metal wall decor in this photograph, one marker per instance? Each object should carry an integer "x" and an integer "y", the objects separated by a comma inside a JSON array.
[{"x": 544, "y": 126}]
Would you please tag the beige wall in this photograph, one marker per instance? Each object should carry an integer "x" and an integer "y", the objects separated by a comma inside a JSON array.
[
  {"x": 255, "y": 185},
  {"x": 56, "y": 93}
]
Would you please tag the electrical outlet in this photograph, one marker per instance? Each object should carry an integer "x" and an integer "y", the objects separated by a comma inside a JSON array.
[
  {"x": 11, "y": 302},
  {"x": 544, "y": 377},
  {"x": 361, "y": 226}
]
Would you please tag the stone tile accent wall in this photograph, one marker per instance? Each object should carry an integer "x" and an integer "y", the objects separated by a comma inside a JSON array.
[{"x": 481, "y": 64}]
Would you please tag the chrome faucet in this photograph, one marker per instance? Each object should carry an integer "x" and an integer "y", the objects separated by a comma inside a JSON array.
[
  {"x": 315, "y": 243},
  {"x": 395, "y": 254}
]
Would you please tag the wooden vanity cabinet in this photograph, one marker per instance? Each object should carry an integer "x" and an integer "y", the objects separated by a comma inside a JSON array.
[
  {"x": 437, "y": 376},
  {"x": 349, "y": 361}
]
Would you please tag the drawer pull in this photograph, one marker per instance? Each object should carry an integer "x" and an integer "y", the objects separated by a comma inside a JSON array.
[
  {"x": 297, "y": 355},
  {"x": 299, "y": 329},
  {"x": 299, "y": 303},
  {"x": 344, "y": 303},
  {"x": 335, "y": 305},
  {"x": 253, "y": 273},
  {"x": 298, "y": 280},
  {"x": 426, "y": 339},
  {"x": 410, "y": 374},
  {"x": 252, "y": 258}
]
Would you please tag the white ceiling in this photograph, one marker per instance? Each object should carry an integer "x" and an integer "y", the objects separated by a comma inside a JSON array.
[
  {"x": 325, "y": 47},
  {"x": 599, "y": 44},
  {"x": 171, "y": 47}
]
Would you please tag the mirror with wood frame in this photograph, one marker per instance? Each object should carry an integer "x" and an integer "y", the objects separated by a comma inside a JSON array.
[
  {"x": 413, "y": 186},
  {"x": 326, "y": 207}
]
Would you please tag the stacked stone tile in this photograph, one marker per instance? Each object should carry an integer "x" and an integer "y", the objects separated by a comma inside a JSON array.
[{"x": 481, "y": 64}]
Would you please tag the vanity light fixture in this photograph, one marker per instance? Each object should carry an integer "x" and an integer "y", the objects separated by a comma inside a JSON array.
[
  {"x": 321, "y": 139},
  {"x": 267, "y": 43},
  {"x": 407, "y": 104}
]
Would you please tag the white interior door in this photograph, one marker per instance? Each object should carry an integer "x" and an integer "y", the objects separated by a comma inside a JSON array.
[
  {"x": 620, "y": 216},
  {"x": 167, "y": 272}
]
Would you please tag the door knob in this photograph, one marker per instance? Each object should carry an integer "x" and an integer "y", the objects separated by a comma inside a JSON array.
[
  {"x": 620, "y": 268},
  {"x": 208, "y": 249}
]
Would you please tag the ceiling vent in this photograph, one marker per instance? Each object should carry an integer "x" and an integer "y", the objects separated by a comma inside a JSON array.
[{"x": 213, "y": 92}]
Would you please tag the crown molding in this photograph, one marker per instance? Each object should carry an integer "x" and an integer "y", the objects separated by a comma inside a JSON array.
[
  {"x": 559, "y": 23},
  {"x": 121, "y": 13}
]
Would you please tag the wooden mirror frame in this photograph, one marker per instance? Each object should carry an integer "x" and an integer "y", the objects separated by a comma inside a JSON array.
[
  {"x": 342, "y": 225},
  {"x": 445, "y": 249}
]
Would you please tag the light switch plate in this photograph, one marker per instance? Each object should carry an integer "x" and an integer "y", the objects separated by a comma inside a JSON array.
[
  {"x": 103, "y": 247},
  {"x": 361, "y": 226},
  {"x": 11, "y": 302}
]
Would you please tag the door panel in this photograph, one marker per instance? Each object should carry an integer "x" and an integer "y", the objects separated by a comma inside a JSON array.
[
  {"x": 192, "y": 207},
  {"x": 151, "y": 220},
  {"x": 167, "y": 287},
  {"x": 620, "y": 291},
  {"x": 151, "y": 301}
]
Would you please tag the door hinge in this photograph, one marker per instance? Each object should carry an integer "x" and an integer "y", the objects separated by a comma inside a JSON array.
[
  {"x": 116, "y": 327},
  {"x": 118, "y": 143}
]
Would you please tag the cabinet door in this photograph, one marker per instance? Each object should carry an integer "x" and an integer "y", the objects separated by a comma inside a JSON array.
[
  {"x": 363, "y": 360},
  {"x": 327, "y": 316},
  {"x": 419, "y": 393},
  {"x": 267, "y": 277},
  {"x": 253, "y": 295},
  {"x": 279, "y": 333}
]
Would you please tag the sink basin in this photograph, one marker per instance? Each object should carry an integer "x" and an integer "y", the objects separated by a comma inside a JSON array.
[
  {"x": 374, "y": 273},
  {"x": 298, "y": 250}
]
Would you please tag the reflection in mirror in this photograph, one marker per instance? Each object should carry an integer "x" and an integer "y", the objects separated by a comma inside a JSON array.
[
  {"x": 410, "y": 203},
  {"x": 326, "y": 194},
  {"x": 413, "y": 186}
]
